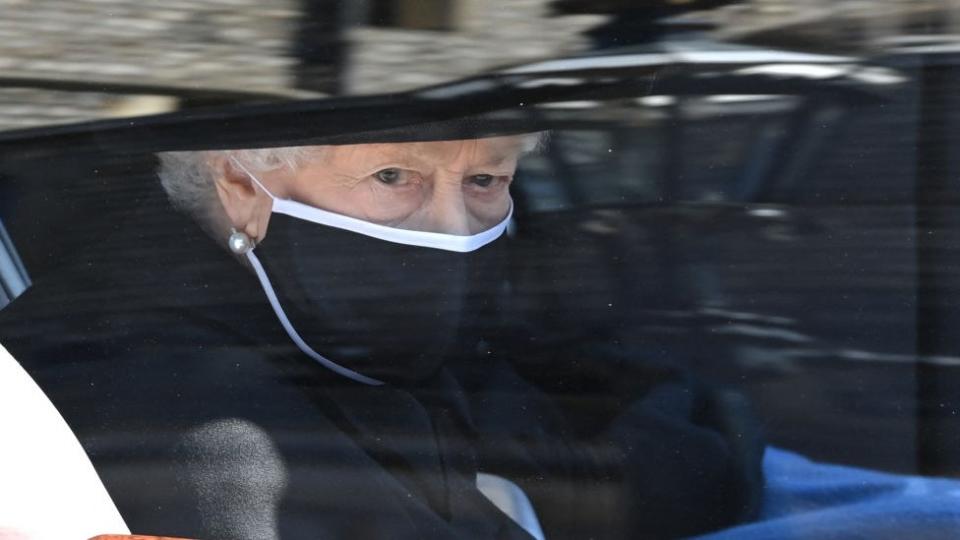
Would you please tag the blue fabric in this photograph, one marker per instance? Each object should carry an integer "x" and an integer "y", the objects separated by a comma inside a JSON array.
[{"x": 808, "y": 500}]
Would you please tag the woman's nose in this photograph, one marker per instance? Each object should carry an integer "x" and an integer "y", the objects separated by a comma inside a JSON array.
[{"x": 448, "y": 211}]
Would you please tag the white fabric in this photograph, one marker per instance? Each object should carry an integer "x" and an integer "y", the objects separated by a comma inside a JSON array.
[
  {"x": 512, "y": 501},
  {"x": 446, "y": 242},
  {"x": 48, "y": 487}
]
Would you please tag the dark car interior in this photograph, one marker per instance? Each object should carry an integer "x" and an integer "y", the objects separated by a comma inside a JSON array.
[
  {"x": 785, "y": 230},
  {"x": 732, "y": 229}
]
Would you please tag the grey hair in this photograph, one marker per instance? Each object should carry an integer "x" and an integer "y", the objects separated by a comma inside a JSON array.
[
  {"x": 535, "y": 142},
  {"x": 188, "y": 177}
]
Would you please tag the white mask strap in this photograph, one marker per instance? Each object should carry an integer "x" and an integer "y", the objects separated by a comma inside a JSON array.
[
  {"x": 292, "y": 332},
  {"x": 254, "y": 178},
  {"x": 443, "y": 241}
]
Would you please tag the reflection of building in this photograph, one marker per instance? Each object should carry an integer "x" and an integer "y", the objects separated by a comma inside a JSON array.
[
  {"x": 851, "y": 25},
  {"x": 826, "y": 25},
  {"x": 68, "y": 61},
  {"x": 65, "y": 62},
  {"x": 395, "y": 44}
]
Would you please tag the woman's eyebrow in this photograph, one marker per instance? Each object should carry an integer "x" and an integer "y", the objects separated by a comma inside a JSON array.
[
  {"x": 407, "y": 159},
  {"x": 404, "y": 162},
  {"x": 496, "y": 161},
  {"x": 383, "y": 159}
]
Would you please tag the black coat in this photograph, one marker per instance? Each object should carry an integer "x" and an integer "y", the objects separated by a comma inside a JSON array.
[{"x": 204, "y": 421}]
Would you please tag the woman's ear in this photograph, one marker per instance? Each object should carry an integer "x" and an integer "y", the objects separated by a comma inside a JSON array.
[{"x": 246, "y": 205}]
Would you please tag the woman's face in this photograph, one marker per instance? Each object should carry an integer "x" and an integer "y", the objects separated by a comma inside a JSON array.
[{"x": 453, "y": 187}]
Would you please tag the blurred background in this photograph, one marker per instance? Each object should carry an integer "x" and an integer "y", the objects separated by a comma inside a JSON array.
[
  {"x": 65, "y": 62},
  {"x": 773, "y": 204}
]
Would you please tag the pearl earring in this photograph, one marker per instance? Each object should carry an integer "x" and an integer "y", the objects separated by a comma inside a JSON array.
[{"x": 239, "y": 242}]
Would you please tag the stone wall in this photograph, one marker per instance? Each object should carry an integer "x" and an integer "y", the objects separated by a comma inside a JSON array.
[
  {"x": 235, "y": 45},
  {"x": 485, "y": 36},
  {"x": 219, "y": 43},
  {"x": 852, "y": 26},
  {"x": 164, "y": 47}
]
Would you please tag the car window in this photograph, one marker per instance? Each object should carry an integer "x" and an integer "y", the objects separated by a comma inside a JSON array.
[{"x": 447, "y": 269}]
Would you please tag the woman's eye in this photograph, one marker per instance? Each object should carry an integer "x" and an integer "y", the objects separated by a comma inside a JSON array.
[
  {"x": 389, "y": 176},
  {"x": 482, "y": 180}
]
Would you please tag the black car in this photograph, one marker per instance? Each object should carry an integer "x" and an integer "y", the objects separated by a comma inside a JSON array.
[{"x": 767, "y": 231}]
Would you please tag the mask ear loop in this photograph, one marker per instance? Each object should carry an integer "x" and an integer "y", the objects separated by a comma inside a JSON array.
[
  {"x": 252, "y": 177},
  {"x": 292, "y": 332},
  {"x": 282, "y": 315}
]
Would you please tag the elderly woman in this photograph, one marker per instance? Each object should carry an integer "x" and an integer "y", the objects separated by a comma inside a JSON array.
[
  {"x": 365, "y": 258},
  {"x": 334, "y": 363}
]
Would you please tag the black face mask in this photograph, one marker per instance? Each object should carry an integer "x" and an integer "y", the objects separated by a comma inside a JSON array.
[
  {"x": 370, "y": 302},
  {"x": 388, "y": 311}
]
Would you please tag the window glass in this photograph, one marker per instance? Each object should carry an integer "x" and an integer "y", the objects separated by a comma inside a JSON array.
[{"x": 446, "y": 269}]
